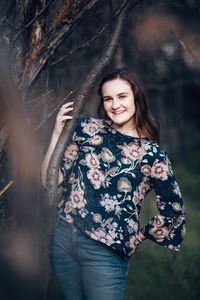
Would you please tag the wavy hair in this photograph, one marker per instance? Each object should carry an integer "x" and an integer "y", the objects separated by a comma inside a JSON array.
[{"x": 145, "y": 123}]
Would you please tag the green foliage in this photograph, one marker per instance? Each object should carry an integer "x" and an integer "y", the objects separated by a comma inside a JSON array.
[{"x": 159, "y": 273}]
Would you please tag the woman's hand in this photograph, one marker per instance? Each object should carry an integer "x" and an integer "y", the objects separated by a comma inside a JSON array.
[
  {"x": 140, "y": 237},
  {"x": 62, "y": 117},
  {"x": 59, "y": 124}
]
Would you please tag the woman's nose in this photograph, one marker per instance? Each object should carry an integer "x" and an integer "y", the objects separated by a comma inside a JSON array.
[{"x": 115, "y": 104}]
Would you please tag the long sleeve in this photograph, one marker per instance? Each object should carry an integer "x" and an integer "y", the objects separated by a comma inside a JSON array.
[
  {"x": 170, "y": 221},
  {"x": 71, "y": 151}
]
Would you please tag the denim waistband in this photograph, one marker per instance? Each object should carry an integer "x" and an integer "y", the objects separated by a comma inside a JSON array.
[{"x": 72, "y": 226}]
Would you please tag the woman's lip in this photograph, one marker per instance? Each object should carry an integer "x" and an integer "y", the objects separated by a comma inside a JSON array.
[{"x": 118, "y": 112}]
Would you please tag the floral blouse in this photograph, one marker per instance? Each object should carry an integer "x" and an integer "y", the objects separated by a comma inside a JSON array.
[{"x": 105, "y": 184}]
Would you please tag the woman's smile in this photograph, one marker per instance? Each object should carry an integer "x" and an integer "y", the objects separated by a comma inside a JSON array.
[
  {"x": 119, "y": 104},
  {"x": 118, "y": 112}
]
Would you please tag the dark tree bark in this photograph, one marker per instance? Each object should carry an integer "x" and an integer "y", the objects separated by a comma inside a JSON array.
[
  {"x": 43, "y": 45},
  {"x": 80, "y": 99},
  {"x": 36, "y": 44}
]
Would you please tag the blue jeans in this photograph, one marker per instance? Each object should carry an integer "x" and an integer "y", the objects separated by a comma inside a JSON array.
[{"x": 86, "y": 269}]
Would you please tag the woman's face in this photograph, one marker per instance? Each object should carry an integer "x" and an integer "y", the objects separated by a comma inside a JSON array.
[{"x": 118, "y": 101}]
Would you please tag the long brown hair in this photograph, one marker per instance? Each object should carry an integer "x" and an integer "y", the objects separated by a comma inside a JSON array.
[{"x": 145, "y": 123}]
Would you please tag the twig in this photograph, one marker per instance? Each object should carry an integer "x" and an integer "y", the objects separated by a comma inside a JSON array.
[
  {"x": 30, "y": 22},
  {"x": 84, "y": 45},
  {"x": 6, "y": 187},
  {"x": 46, "y": 35},
  {"x": 101, "y": 63},
  {"x": 4, "y": 19},
  {"x": 32, "y": 70},
  {"x": 51, "y": 113},
  {"x": 38, "y": 98},
  {"x": 88, "y": 43}
]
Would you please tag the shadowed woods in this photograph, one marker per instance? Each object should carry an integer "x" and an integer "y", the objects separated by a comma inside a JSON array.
[{"x": 48, "y": 62}]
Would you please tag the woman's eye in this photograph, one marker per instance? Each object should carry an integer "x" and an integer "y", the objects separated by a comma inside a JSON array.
[{"x": 122, "y": 97}]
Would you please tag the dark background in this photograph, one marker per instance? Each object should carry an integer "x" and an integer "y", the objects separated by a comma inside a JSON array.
[{"x": 161, "y": 43}]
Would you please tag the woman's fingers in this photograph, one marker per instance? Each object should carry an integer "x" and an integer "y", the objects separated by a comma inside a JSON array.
[
  {"x": 66, "y": 105},
  {"x": 65, "y": 109},
  {"x": 64, "y": 118}
]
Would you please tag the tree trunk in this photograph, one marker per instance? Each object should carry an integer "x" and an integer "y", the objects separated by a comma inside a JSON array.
[{"x": 52, "y": 176}]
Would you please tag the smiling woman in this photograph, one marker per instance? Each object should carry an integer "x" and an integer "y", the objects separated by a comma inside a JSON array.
[
  {"x": 119, "y": 105},
  {"x": 124, "y": 103},
  {"x": 108, "y": 168}
]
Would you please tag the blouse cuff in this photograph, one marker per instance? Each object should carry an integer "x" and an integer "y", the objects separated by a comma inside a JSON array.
[{"x": 172, "y": 228}]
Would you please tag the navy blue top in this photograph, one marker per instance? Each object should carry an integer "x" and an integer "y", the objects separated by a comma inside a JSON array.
[{"x": 105, "y": 182}]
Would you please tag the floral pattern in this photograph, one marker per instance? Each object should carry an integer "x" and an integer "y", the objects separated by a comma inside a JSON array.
[
  {"x": 77, "y": 198},
  {"x": 104, "y": 187},
  {"x": 130, "y": 152},
  {"x": 96, "y": 177}
]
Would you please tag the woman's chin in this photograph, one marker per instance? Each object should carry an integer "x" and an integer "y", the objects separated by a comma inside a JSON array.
[{"x": 119, "y": 120}]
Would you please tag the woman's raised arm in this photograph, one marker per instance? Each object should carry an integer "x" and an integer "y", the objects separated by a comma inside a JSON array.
[{"x": 59, "y": 124}]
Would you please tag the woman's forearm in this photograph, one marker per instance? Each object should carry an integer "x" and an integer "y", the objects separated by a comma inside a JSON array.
[
  {"x": 60, "y": 121},
  {"x": 47, "y": 157}
]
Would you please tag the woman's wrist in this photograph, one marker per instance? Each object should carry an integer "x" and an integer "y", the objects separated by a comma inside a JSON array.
[
  {"x": 140, "y": 237},
  {"x": 56, "y": 134}
]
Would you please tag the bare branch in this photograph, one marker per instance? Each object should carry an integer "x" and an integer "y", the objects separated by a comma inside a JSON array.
[
  {"x": 5, "y": 20},
  {"x": 52, "y": 177},
  {"x": 51, "y": 113},
  {"x": 89, "y": 42},
  {"x": 37, "y": 15},
  {"x": 46, "y": 47},
  {"x": 84, "y": 45},
  {"x": 39, "y": 98},
  {"x": 6, "y": 187},
  {"x": 52, "y": 174}
]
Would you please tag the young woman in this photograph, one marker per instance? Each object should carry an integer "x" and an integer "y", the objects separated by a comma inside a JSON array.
[{"x": 107, "y": 169}]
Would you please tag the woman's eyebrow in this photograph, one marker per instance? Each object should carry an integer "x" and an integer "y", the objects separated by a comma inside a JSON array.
[
  {"x": 104, "y": 97},
  {"x": 123, "y": 93},
  {"x": 120, "y": 94}
]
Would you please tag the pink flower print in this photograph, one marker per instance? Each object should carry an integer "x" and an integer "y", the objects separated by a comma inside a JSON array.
[
  {"x": 131, "y": 223},
  {"x": 68, "y": 207},
  {"x": 69, "y": 219},
  {"x": 109, "y": 203},
  {"x": 71, "y": 151},
  {"x": 183, "y": 231},
  {"x": 90, "y": 129},
  {"x": 159, "y": 233},
  {"x": 158, "y": 221},
  {"x": 100, "y": 235},
  {"x": 133, "y": 243},
  {"x": 159, "y": 171},
  {"x": 131, "y": 152},
  {"x": 142, "y": 189},
  {"x": 124, "y": 185},
  {"x": 72, "y": 178},
  {"x": 107, "y": 155},
  {"x": 92, "y": 160},
  {"x": 125, "y": 160},
  {"x": 176, "y": 206},
  {"x": 96, "y": 140},
  {"x": 146, "y": 170},
  {"x": 96, "y": 177},
  {"x": 76, "y": 198},
  {"x": 97, "y": 218}
]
